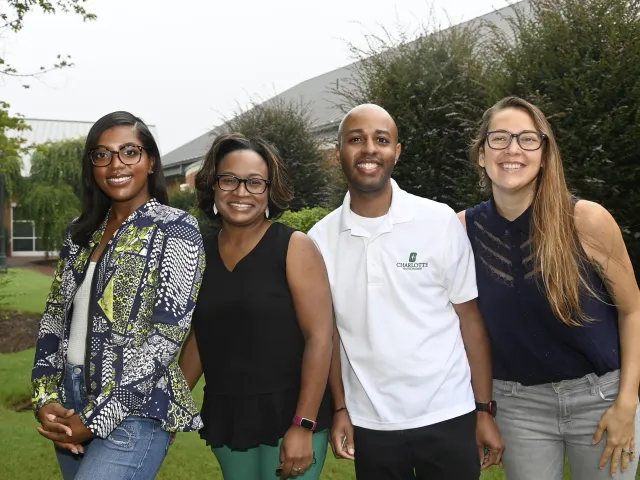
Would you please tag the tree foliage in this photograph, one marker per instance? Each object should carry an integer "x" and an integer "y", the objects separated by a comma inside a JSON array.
[
  {"x": 182, "y": 199},
  {"x": 13, "y": 16},
  {"x": 17, "y": 9},
  {"x": 56, "y": 163},
  {"x": 53, "y": 189},
  {"x": 336, "y": 183},
  {"x": 435, "y": 89},
  {"x": 287, "y": 126},
  {"x": 11, "y": 149},
  {"x": 579, "y": 61}
]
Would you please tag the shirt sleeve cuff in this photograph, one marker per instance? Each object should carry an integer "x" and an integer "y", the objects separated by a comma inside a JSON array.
[
  {"x": 104, "y": 415},
  {"x": 467, "y": 296}
]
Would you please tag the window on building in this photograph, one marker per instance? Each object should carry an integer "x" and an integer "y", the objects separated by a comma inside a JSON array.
[{"x": 23, "y": 233}]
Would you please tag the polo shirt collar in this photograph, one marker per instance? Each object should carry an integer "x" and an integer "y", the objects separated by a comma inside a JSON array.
[
  {"x": 497, "y": 224},
  {"x": 400, "y": 211}
]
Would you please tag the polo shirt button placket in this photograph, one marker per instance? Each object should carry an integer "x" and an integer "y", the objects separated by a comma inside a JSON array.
[{"x": 374, "y": 275}]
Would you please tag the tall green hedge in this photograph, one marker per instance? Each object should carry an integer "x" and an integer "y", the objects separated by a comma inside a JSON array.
[{"x": 579, "y": 61}]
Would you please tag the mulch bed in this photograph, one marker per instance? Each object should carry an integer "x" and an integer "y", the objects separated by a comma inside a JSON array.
[{"x": 18, "y": 331}]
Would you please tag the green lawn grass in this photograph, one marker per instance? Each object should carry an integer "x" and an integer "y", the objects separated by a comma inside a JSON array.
[{"x": 26, "y": 291}]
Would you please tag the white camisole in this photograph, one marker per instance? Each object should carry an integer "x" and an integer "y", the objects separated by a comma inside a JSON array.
[{"x": 80, "y": 320}]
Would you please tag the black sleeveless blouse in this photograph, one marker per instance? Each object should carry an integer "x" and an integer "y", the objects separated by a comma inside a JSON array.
[{"x": 250, "y": 346}]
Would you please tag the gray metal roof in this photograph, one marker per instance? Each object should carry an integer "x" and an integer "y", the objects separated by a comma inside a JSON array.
[
  {"x": 317, "y": 94},
  {"x": 191, "y": 150},
  {"x": 46, "y": 130}
]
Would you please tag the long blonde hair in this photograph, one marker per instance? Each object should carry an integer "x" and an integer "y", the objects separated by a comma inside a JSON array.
[{"x": 558, "y": 254}]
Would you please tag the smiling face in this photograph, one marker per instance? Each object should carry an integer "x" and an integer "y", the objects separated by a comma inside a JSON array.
[
  {"x": 241, "y": 207},
  {"x": 119, "y": 181},
  {"x": 368, "y": 149},
  {"x": 513, "y": 168}
]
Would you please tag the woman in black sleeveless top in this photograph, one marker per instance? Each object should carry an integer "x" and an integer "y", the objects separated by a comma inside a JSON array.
[
  {"x": 262, "y": 328},
  {"x": 557, "y": 292}
]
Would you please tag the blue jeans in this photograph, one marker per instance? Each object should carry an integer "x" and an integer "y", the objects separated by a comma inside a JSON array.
[{"x": 134, "y": 450}]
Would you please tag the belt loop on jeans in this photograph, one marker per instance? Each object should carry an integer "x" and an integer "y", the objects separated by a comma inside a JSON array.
[{"x": 593, "y": 381}]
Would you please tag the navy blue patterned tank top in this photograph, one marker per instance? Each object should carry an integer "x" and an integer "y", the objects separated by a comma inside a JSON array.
[{"x": 528, "y": 343}]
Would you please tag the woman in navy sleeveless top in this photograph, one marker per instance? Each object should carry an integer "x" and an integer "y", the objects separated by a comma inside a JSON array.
[
  {"x": 262, "y": 329},
  {"x": 557, "y": 291}
]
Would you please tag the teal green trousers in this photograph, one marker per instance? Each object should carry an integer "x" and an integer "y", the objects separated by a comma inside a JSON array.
[{"x": 261, "y": 462}]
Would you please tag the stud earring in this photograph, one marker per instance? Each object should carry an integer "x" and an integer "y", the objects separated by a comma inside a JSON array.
[
  {"x": 266, "y": 212},
  {"x": 215, "y": 209}
]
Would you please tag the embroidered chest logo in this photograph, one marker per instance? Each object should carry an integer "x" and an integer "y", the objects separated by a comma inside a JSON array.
[{"x": 412, "y": 264}]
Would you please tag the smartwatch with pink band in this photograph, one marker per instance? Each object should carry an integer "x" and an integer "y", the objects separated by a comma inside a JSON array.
[{"x": 304, "y": 423}]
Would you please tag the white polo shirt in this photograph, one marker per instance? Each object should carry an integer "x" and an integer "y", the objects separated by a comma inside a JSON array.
[{"x": 404, "y": 364}]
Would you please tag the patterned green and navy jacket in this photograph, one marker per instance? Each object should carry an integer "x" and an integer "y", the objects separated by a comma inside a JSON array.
[{"x": 144, "y": 291}]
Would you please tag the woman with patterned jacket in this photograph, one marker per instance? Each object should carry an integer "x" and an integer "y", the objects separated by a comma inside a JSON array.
[{"x": 107, "y": 388}]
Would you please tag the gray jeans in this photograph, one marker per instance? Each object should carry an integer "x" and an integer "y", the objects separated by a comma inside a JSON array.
[{"x": 543, "y": 423}]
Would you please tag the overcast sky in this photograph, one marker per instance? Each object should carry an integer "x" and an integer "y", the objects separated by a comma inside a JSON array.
[{"x": 184, "y": 65}]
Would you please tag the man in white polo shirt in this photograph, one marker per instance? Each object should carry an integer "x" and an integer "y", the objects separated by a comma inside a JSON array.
[{"x": 413, "y": 372}]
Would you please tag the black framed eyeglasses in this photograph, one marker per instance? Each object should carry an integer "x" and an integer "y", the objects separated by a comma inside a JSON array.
[
  {"x": 229, "y": 183},
  {"x": 528, "y": 140},
  {"x": 128, "y": 154}
]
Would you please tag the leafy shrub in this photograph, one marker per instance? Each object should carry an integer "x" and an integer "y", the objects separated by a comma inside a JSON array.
[
  {"x": 184, "y": 200},
  {"x": 304, "y": 219}
]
